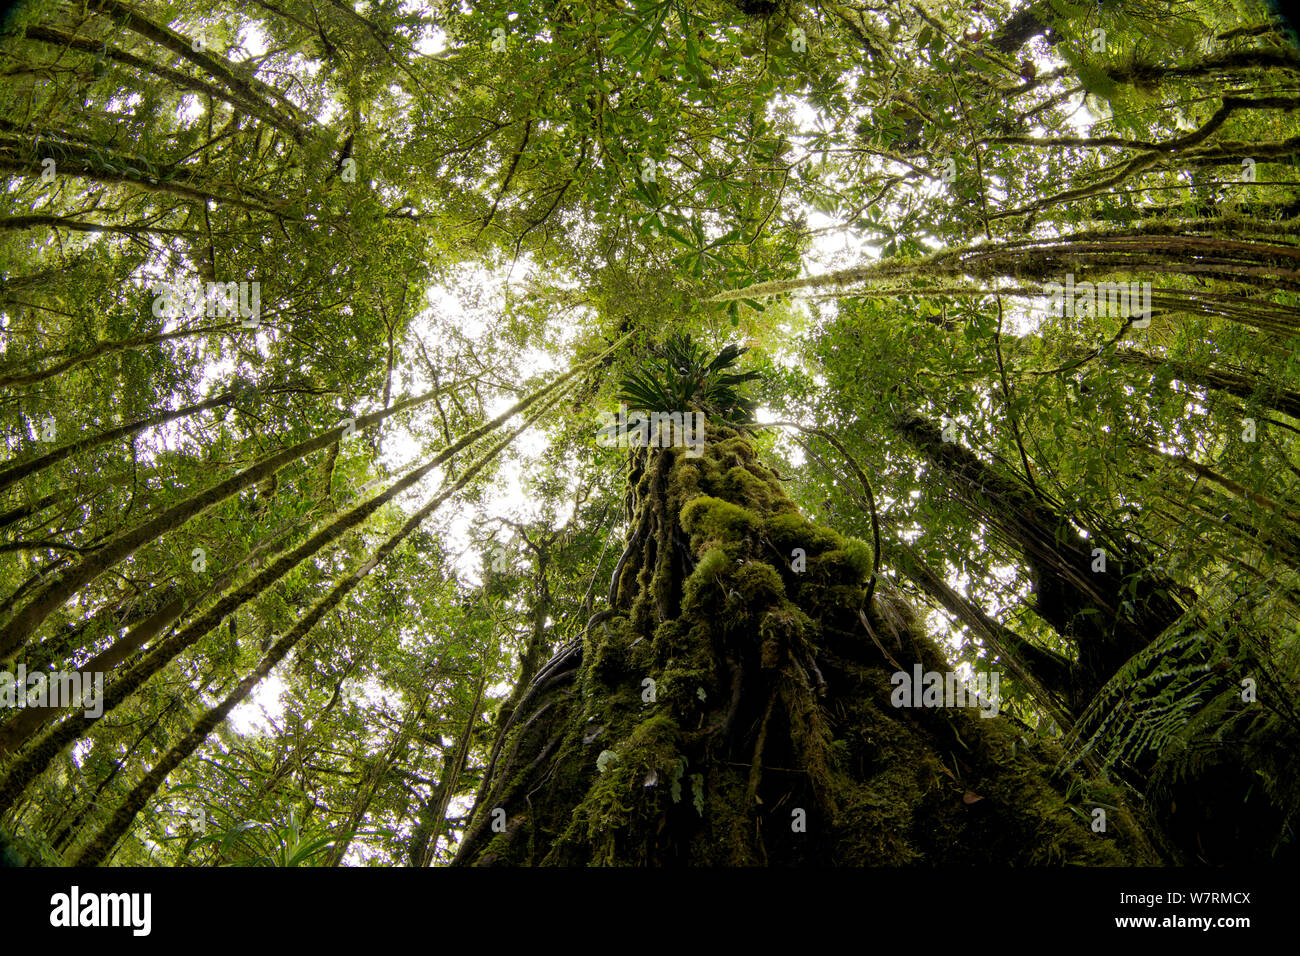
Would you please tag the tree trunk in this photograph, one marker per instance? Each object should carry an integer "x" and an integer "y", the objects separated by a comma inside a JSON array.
[
  {"x": 100, "y": 349},
  {"x": 15, "y": 632},
  {"x": 1022, "y": 26},
  {"x": 376, "y": 775},
  {"x": 147, "y": 621},
  {"x": 1085, "y": 606},
  {"x": 248, "y": 87},
  {"x": 1046, "y": 673},
  {"x": 1242, "y": 385},
  {"x": 241, "y": 102},
  {"x": 99, "y": 849},
  {"x": 730, "y": 708},
  {"x": 1121, "y": 679},
  {"x": 433, "y": 812},
  {"x": 23, "y": 469}
]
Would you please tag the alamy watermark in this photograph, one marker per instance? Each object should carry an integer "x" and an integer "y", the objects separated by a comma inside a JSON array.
[
  {"x": 75, "y": 909},
  {"x": 57, "y": 689},
  {"x": 655, "y": 430},
  {"x": 217, "y": 299},
  {"x": 945, "y": 689},
  {"x": 1128, "y": 300}
]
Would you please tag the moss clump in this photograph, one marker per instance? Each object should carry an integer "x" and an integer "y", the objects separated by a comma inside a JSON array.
[
  {"x": 606, "y": 652},
  {"x": 707, "y": 579},
  {"x": 686, "y": 481},
  {"x": 860, "y": 557},
  {"x": 781, "y": 629},
  {"x": 756, "y": 585},
  {"x": 646, "y": 760},
  {"x": 787, "y": 530},
  {"x": 685, "y": 647},
  {"x": 741, "y": 483},
  {"x": 736, "y": 449},
  {"x": 709, "y": 520},
  {"x": 691, "y": 476}
]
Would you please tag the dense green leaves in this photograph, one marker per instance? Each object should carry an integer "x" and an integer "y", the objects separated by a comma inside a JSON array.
[{"x": 481, "y": 197}]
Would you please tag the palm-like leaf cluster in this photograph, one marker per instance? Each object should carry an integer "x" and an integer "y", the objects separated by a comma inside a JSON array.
[{"x": 679, "y": 376}]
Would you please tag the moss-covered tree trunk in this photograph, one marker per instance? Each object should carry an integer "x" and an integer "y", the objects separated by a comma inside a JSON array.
[
  {"x": 1134, "y": 642},
  {"x": 1094, "y": 606},
  {"x": 733, "y": 707}
]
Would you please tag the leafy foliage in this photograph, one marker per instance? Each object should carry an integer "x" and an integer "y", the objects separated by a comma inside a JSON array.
[
  {"x": 477, "y": 199},
  {"x": 680, "y": 376}
]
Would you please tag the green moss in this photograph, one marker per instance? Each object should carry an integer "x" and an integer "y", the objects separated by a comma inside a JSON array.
[
  {"x": 652, "y": 745},
  {"x": 688, "y": 666},
  {"x": 849, "y": 564},
  {"x": 709, "y": 519},
  {"x": 728, "y": 840},
  {"x": 708, "y": 578},
  {"x": 860, "y": 556},
  {"x": 647, "y": 759},
  {"x": 735, "y": 447},
  {"x": 741, "y": 483},
  {"x": 781, "y": 629},
  {"x": 757, "y": 585},
  {"x": 790, "y": 530},
  {"x": 686, "y": 481},
  {"x": 881, "y": 786},
  {"x": 605, "y": 656},
  {"x": 691, "y": 476}
]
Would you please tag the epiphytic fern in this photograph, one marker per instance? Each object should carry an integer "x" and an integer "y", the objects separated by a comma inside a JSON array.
[{"x": 680, "y": 376}]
